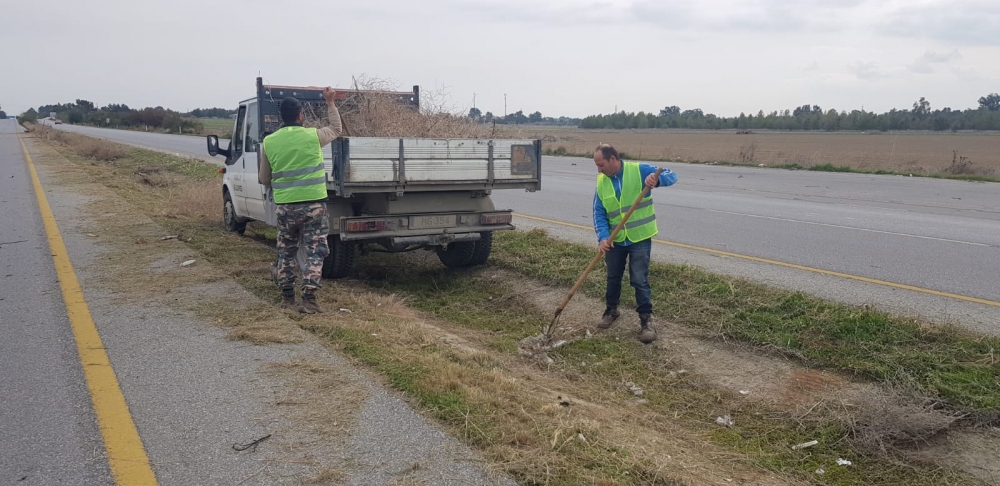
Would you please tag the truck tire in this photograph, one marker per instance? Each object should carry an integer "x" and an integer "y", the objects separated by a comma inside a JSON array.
[
  {"x": 458, "y": 255},
  {"x": 482, "y": 248},
  {"x": 340, "y": 262},
  {"x": 229, "y": 218}
]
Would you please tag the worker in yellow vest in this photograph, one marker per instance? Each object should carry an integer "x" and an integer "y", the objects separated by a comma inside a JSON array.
[
  {"x": 292, "y": 167},
  {"x": 619, "y": 183}
]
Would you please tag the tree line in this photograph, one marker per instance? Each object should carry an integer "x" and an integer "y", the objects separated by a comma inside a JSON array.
[
  {"x": 812, "y": 117},
  {"x": 519, "y": 118},
  {"x": 121, "y": 115}
]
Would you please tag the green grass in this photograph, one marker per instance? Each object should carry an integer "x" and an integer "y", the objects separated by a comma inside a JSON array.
[
  {"x": 449, "y": 405},
  {"x": 216, "y": 123},
  {"x": 455, "y": 296},
  {"x": 941, "y": 361}
]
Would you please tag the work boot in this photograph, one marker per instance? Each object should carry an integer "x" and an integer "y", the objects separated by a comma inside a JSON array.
[
  {"x": 646, "y": 332},
  {"x": 309, "y": 305},
  {"x": 288, "y": 298},
  {"x": 610, "y": 316}
]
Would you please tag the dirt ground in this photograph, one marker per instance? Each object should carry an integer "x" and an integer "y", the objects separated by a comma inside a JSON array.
[{"x": 917, "y": 152}]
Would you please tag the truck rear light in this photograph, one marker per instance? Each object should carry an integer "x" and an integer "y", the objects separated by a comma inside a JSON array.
[
  {"x": 499, "y": 218},
  {"x": 362, "y": 226}
]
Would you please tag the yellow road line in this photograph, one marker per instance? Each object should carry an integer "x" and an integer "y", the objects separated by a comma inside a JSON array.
[
  {"x": 791, "y": 265},
  {"x": 126, "y": 455}
]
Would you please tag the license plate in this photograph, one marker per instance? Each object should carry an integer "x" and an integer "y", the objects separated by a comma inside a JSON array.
[{"x": 437, "y": 221}]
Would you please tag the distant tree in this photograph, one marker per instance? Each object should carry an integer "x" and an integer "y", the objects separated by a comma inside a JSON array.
[
  {"x": 517, "y": 117},
  {"x": 670, "y": 110},
  {"x": 535, "y": 117},
  {"x": 116, "y": 108},
  {"x": 211, "y": 113},
  {"x": 29, "y": 116},
  {"x": 85, "y": 106},
  {"x": 75, "y": 116},
  {"x": 489, "y": 116},
  {"x": 921, "y": 107},
  {"x": 475, "y": 113},
  {"x": 802, "y": 110},
  {"x": 991, "y": 102}
]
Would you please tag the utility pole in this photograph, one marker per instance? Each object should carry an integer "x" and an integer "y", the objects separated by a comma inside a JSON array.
[
  {"x": 473, "y": 100},
  {"x": 505, "y": 106}
]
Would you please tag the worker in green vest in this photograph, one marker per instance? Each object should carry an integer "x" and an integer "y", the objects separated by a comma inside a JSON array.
[
  {"x": 619, "y": 183},
  {"x": 292, "y": 167}
]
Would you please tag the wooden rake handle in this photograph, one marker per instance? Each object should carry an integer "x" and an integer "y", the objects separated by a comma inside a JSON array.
[{"x": 597, "y": 258}]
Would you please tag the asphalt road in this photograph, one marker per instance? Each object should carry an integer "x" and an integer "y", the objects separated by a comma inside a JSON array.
[
  {"x": 37, "y": 347},
  {"x": 934, "y": 235},
  {"x": 185, "y": 145}
]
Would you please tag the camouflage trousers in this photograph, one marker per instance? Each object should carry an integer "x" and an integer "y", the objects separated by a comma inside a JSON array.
[{"x": 305, "y": 224}]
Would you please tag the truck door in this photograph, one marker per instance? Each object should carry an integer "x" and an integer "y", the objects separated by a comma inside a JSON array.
[
  {"x": 236, "y": 154},
  {"x": 254, "y": 190}
]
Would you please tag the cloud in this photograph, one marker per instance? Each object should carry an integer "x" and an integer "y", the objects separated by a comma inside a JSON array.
[
  {"x": 867, "y": 70},
  {"x": 925, "y": 63},
  {"x": 955, "y": 22},
  {"x": 763, "y": 16}
]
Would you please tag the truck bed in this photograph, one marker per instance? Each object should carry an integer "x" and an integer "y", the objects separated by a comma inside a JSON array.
[
  {"x": 376, "y": 164},
  {"x": 387, "y": 164}
]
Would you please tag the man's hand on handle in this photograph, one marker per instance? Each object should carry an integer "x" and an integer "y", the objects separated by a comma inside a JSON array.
[
  {"x": 605, "y": 246},
  {"x": 652, "y": 181}
]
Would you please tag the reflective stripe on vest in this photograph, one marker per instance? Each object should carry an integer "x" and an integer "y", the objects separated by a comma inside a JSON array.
[
  {"x": 297, "y": 172},
  {"x": 641, "y": 225}
]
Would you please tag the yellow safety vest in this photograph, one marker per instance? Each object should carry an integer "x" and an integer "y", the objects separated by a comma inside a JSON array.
[
  {"x": 296, "y": 159},
  {"x": 641, "y": 225}
]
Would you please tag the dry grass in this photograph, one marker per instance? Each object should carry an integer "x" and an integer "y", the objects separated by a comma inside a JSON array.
[
  {"x": 100, "y": 150},
  {"x": 328, "y": 476},
  {"x": 315, "y": 386},
  {"x": 896, "y": 421},
  {"x": 371, "y": 114},
  {"x": 916, "y": 152},
  {"x": 91, "y": 148}
]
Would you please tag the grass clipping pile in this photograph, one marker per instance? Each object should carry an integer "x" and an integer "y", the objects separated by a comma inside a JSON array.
[{"x": 371, "y": 112}]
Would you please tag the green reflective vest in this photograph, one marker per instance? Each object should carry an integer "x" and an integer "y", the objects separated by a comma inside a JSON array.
[
  {"x": 641, "y": 225},
  {"x": 296, "y": 159}
]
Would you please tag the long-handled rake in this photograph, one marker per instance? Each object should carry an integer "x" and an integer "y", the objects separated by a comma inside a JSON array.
[{"x": 548, "y": 329}]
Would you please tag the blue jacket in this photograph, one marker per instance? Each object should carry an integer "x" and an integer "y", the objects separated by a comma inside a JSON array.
[{"x": 601, "y": 225}]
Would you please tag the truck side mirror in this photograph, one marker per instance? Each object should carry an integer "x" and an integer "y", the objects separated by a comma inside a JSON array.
[{"x": 213, "y": 145}]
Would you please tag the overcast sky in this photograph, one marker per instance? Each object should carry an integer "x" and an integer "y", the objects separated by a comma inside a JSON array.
[{"x": 560, "y": 57}]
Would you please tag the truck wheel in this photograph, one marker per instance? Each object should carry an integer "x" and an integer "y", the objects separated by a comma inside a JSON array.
[
  {"x": 458, "y": 255},
  {"x": 340, "y": 262},
  {"x": 482, "y": 248},
  {"x": 229, "y": 218}
]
